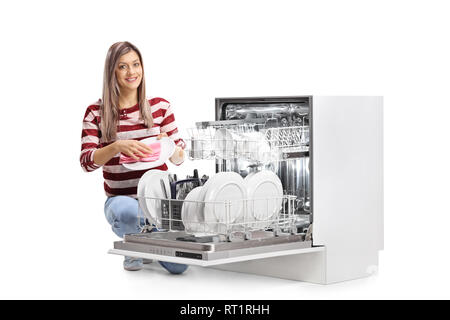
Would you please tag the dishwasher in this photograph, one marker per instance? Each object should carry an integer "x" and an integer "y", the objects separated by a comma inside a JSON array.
[{"x": 327, "y": 152}]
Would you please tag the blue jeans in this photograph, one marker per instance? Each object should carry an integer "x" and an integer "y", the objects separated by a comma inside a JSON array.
[{"x": 125, "y": 216}]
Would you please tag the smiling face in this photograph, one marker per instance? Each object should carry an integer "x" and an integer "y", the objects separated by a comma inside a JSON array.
[{"x": 129, "y": 71}]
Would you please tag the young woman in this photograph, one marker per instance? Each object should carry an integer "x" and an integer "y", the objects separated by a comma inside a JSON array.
[{"x": 115, "y": 125}]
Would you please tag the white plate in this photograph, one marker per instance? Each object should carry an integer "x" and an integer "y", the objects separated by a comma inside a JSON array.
[
  {"x": 247, "y": 177},
  {"x": 167, "y": 150},
  {"x": 189, "y": 210},
  {"x": 247, "y": 219},
  {"x": 222, "y": 187},
  {"x": 150, "y": 186},
  {"x": 190, "y": 213},
  {"x": 265, "y": 192},
  {"x": 141, "y": 199}
]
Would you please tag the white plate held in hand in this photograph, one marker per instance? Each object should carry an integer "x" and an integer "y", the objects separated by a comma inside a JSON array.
[{"x": 167, "y": 149}]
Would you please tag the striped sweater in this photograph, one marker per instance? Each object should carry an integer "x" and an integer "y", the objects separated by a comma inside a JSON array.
[{"x": 118, "y": 179}]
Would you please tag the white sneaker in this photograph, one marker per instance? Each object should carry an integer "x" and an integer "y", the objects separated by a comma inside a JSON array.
[{"x": 132, "y": 264}]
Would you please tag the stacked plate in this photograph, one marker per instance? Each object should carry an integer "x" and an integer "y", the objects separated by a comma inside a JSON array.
[
  {"x": 149, "y": 192},
  {"x": 227, "y": 201},
  {"x": 217, "y": 204},
  {"x": 265, "y": 194},
  {"x": 167, "y": 148}
]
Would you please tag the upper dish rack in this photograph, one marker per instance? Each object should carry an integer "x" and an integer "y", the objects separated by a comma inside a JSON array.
[{"x": 255, "y": 142}]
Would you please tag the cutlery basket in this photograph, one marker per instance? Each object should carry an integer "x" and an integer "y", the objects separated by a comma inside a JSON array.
[{"x": 173, "y": 208}]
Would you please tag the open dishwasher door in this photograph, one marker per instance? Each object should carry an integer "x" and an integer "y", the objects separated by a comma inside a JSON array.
[
  {"x": 168, "y": 247},
  {"x": 216, "y": 243}
]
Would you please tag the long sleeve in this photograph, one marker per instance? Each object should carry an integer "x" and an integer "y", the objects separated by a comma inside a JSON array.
[
  {"x": 168, "y": 125},
  {"x": 90, "y": 139}
]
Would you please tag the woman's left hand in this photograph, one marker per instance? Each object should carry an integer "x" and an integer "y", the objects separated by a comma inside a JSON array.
[{"x": 178, "y": 156}]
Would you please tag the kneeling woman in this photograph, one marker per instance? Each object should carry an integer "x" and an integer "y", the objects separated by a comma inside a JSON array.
[{"x": 116, "y": 124}]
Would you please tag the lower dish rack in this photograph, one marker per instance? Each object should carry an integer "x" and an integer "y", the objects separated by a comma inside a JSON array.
[
  {"x": 269, "y": 230},
  {"x": 221, "y": 218}
]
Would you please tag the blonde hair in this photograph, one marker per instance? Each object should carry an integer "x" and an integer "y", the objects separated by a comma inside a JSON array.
[{"x": 109, "y": 106}]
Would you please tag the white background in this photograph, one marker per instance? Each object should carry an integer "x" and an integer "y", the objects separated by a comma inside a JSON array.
[{"x": 54, "y": 237}]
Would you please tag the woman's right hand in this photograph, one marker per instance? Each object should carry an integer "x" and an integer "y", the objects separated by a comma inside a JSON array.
[{"x": 133, "y": 148}]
